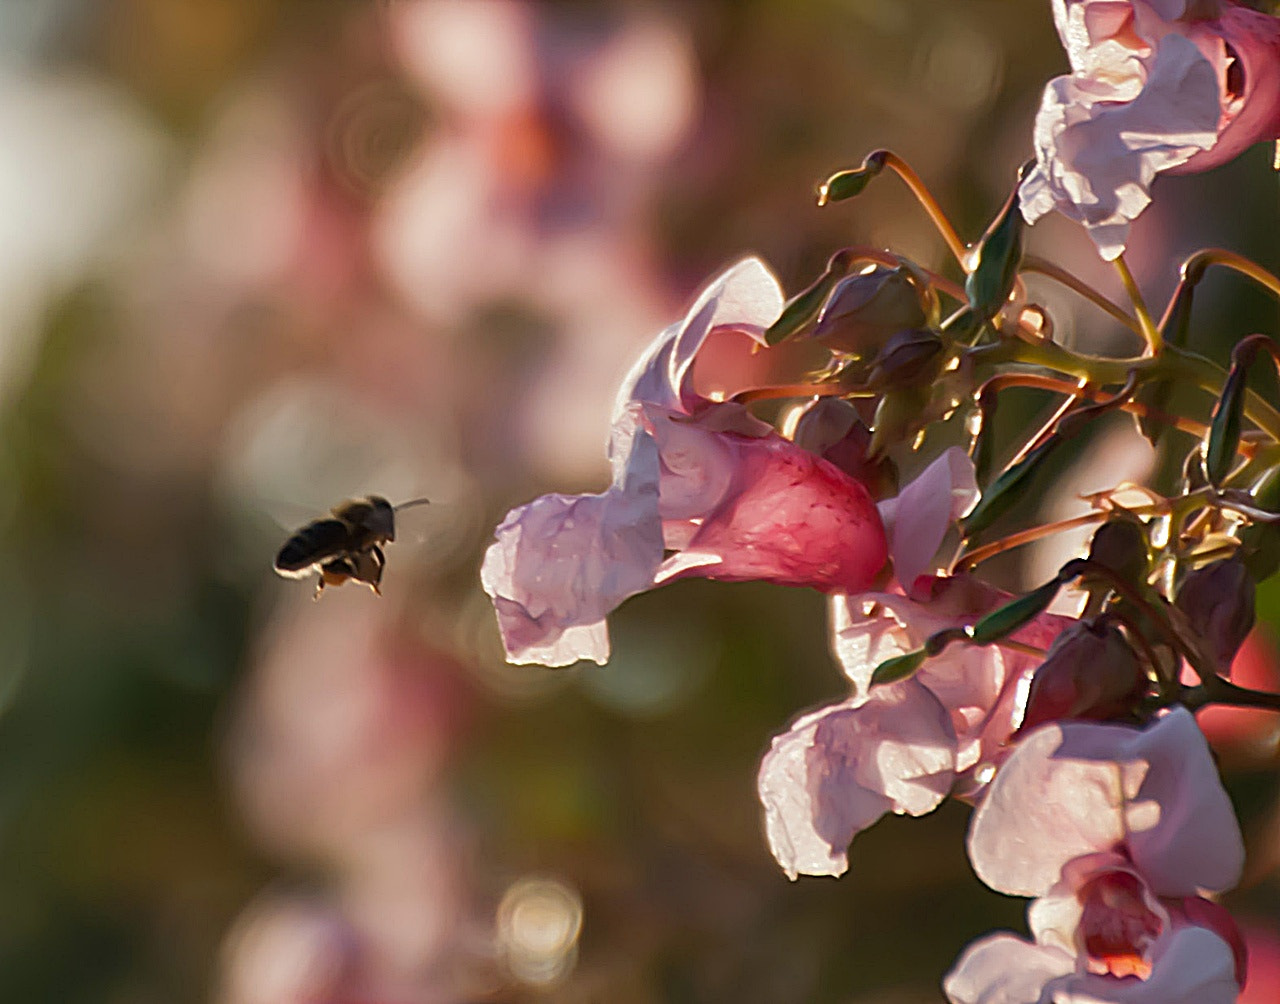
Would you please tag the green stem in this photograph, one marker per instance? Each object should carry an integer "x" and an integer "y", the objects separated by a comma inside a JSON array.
[
  {"x": 1173, "y": 363},
  {"x": 1225, "y": 692}
]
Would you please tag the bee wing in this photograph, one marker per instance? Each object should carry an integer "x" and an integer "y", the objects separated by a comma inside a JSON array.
[{"x": 314, "y": 544}]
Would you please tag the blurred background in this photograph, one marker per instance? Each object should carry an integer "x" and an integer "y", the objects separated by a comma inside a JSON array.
[{"x": 260, "y": 255}]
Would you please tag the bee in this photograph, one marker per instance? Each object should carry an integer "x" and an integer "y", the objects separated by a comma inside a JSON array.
[{"x": 346, "y": 544}]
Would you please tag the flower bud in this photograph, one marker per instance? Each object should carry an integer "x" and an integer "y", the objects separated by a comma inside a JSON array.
[
  {"x": 1217, "y": 600},
  {"x": 864, "y": 310},
  {"x": 910, "y": 358},
  {"x": 834, "y": 430},
  {"x": 1121, "y": 545},
  {"x": 1090, "y": 672}
]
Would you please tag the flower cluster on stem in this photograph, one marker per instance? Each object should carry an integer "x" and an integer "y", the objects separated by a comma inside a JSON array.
[{"x": 876, "y": 483}]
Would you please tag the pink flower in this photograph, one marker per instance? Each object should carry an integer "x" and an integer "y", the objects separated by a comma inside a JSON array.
[
  {"x": 1156, "y": 85},
  {"x": 901, "y": 747},
  {"x": 1075, "y": 788},
  {"x": 1117, "y": 831},
  {"x": 693, "y": 474},
  {"x": 1173, "y": 962}
]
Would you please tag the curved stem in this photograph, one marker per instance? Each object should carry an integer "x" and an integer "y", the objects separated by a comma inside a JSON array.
[
  {"x": 1034, "y": 263},
  {"x": 971, "y": 559},
  {"x": 1149, "y": 330},
  {"x": 1076, "y": 391},
  {"x": 1199, "y": 261},
  {"x": 930, "y": 204}
]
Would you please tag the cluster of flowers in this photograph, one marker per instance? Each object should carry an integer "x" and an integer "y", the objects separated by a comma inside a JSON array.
[{"x": 1095, "y": 790}]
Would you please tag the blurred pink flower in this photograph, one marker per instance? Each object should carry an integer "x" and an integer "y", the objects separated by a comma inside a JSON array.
[
  {"x": 898, "y": 748},
  {"x": 1156, "y": 85},
  {"x": 692, "y": 474},
  {"x": 1256, "y": 665},
  {"x": 1075, "y": 788}
]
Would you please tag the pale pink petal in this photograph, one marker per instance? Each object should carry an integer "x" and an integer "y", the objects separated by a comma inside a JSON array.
[
  {"x": 838, "y": 770},
  {"x": 979, "y": 685},
  {"x": 746, "y": 297},
  {"x": 789, "y": 517},
  {"x": 562, "y": 562},
  {"x": 1191, "y": 966},
  {"x": 867, "y": 629},
  {"x": 1076, "y": 788},
  {"x": 1195, "y": 843},
  {"x": 1004, "y": 969},
  {"x": 918, "y": 519},
  {"x": 1099, "y": 147}
]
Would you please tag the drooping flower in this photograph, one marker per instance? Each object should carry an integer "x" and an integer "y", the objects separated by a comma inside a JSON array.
[
  {"x": 1117, "y": 831},
  {"x": 1156, "y": 85},
  {"x": 1160, "y": 957},
  {"x": 694, "y": 474},
  {"x": 900, "y": 747},
  {"x": 1075, "y": 788}
]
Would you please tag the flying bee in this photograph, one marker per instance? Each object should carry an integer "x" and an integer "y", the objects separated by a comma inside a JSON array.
[{"x": 346, "y": 544}]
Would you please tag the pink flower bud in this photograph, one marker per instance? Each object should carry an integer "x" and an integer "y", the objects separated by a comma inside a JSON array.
[
  {"x": 1218, "y": 602},
  {"x": 1091, "y": 673}
]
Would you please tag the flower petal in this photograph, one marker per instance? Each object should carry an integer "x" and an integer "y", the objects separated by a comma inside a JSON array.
[
  {"x": 838, "y": 770},
  {"x": 1098, "y": 147},
  {"x": 918, "y": 519},
  {"x": 787, "y": 517},
  {"x": 562, "y": 562},
  {"x": 1004, "y": 969},
  {"x": 1077, "y": 788},
  {"x": 745, "y": 296}
]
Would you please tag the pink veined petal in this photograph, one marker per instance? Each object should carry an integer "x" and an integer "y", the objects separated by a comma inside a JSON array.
[
  {"x": 1005, "y": 969},
  {"x": 838, "y": 770},
  {"x": 1076, "y": 788},
  {"x": 562, "y": 562},
  {"x": 918, "y": 519},
  {"x": 789, "y": 517}
]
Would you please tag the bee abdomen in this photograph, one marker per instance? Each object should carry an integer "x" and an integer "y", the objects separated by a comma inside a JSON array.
[{"x": 315, "y": 542}]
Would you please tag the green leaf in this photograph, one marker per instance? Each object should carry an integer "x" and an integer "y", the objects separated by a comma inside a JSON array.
[
  {"x": 898, "y": 668},
  {"x": 802, "y": 308},
  {"x": 1004, "y": 621},
  {"x": 1000, "y": 495}
]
